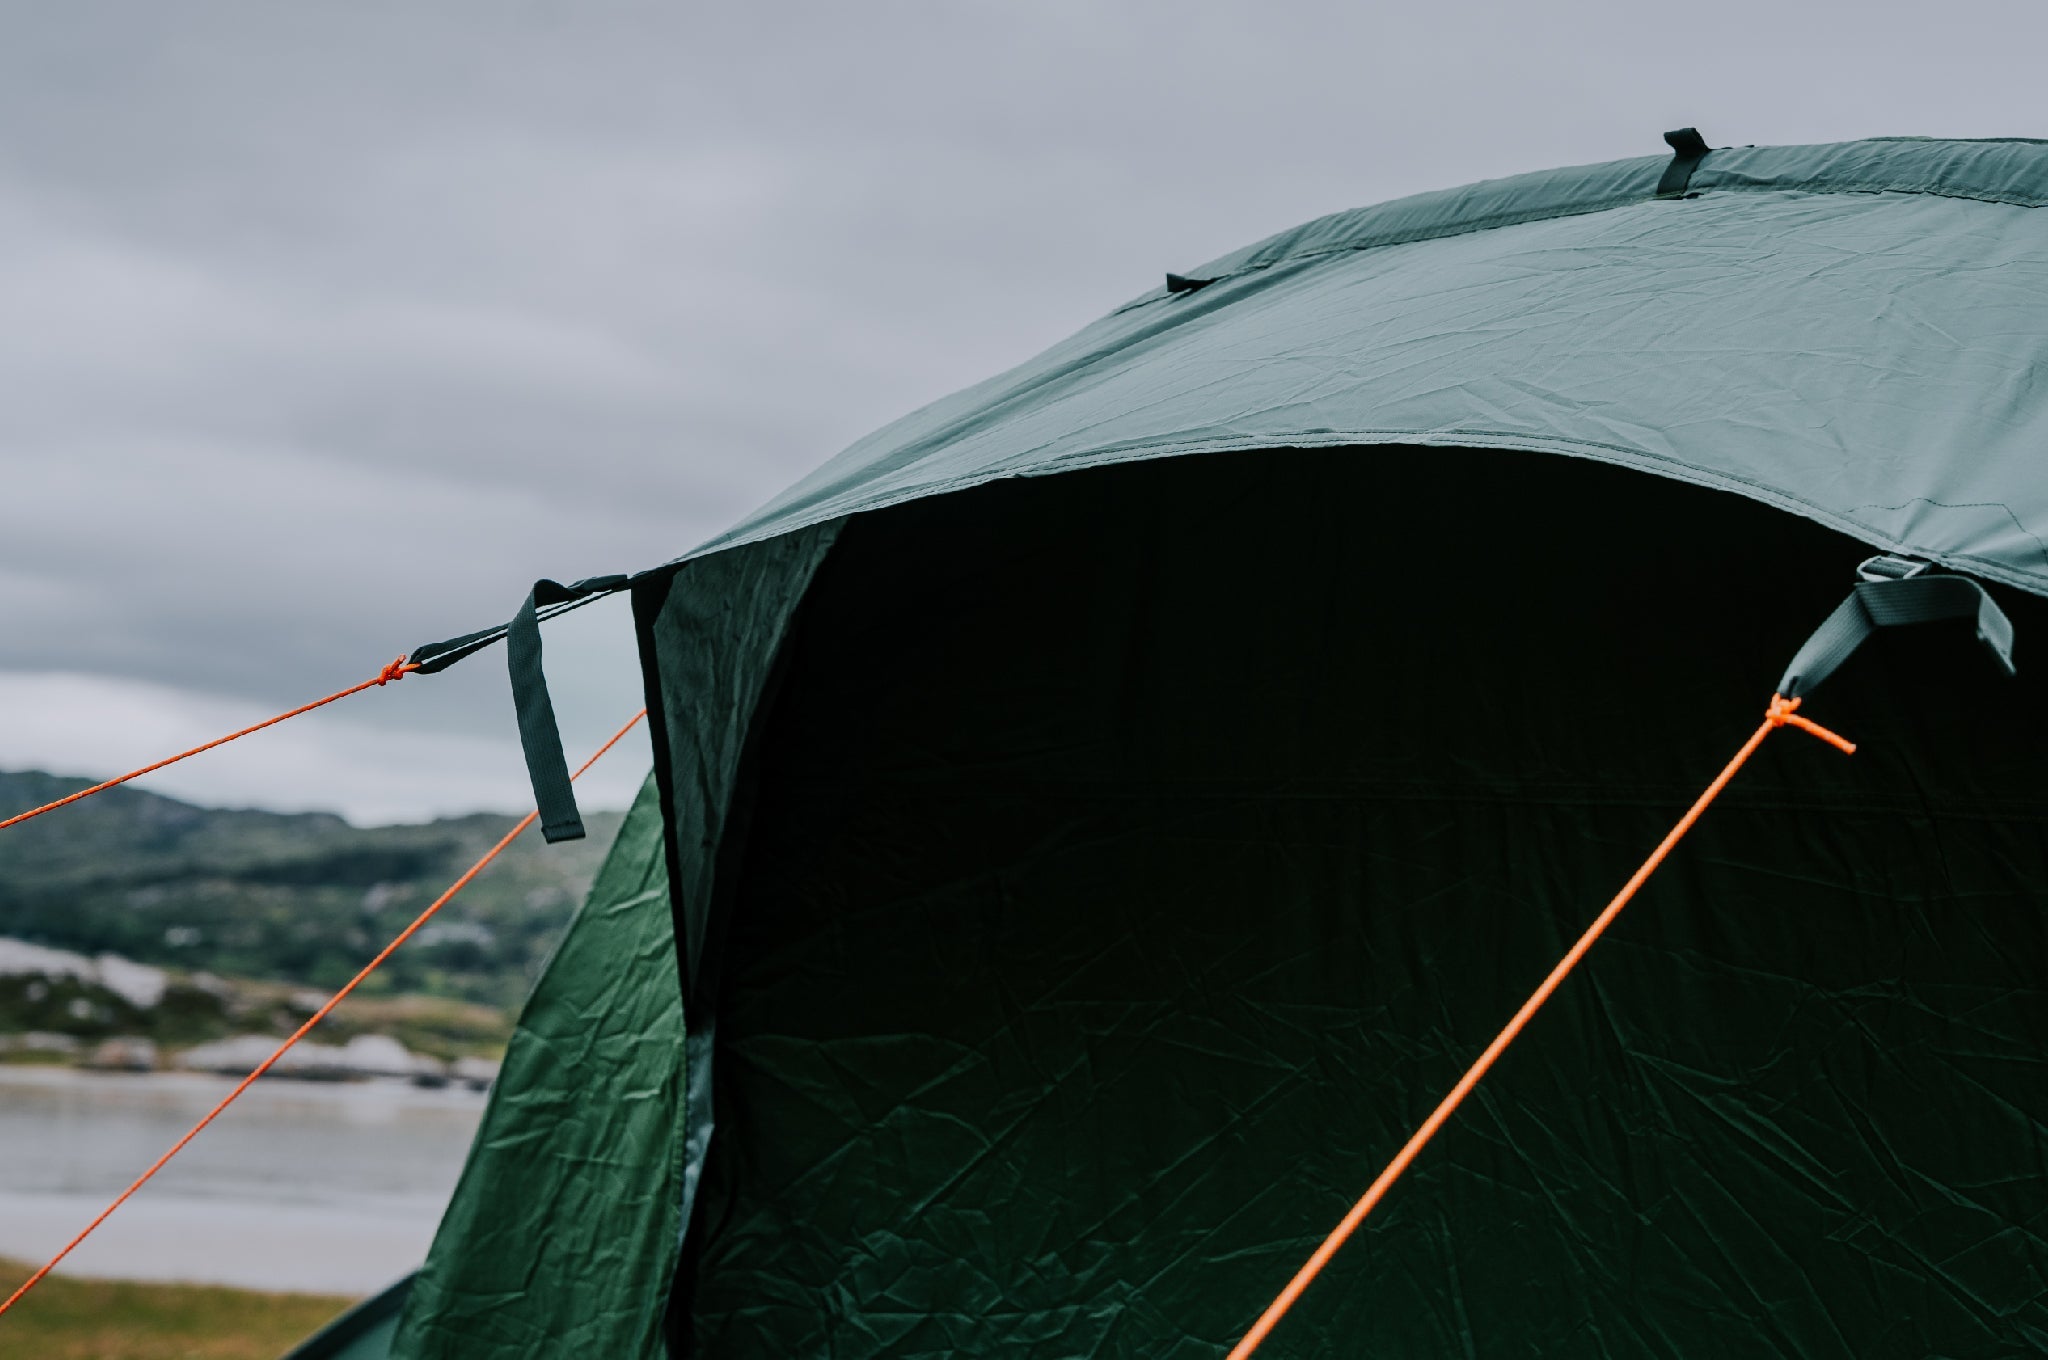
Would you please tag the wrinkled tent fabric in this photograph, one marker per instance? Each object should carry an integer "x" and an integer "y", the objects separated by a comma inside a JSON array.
[
  {"x": 1851, "y": 333},
  {"x": 582, "y": 1116},
  {"x": 1114, "y": 905},
  {"x": 1079, "y": 884}
]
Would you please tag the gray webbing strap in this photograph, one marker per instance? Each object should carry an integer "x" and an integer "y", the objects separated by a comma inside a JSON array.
[{"x": 1894, "y": 593}]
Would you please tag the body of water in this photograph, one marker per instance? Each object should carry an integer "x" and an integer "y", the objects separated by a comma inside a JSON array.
[{"x": 300, "y": 1185}]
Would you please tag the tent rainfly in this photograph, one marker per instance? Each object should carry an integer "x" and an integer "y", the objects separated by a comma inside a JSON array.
[{"x": 1095, "y": 818}]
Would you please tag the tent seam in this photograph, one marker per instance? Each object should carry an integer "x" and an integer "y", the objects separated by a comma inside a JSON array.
[
  {"x": 1621, "y": 455},
  {"x": 1451, "y": 231}
]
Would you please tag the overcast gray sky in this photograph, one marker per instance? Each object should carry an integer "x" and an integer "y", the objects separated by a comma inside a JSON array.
[{"x": 326, "y": 328}]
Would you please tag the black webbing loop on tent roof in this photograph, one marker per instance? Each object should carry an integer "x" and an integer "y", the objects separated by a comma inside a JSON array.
[
  {"x": 1688, "y": 149},
  {"x": 1895, "y": 591},
  {"x": 1180, "y": 283},
  {"x": 439, "y": 656}
]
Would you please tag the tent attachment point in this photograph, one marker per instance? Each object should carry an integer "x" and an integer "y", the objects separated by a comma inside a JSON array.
[
  {"x": 1688, "y": 149},
  {"x": 1887, "y": 567},
  {"x": 539, "y": 737},
  {"x": 1891, "y": 592},
  {"x": 1180, "y": 283}
]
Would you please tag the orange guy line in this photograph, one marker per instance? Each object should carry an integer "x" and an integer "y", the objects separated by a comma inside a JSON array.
[
  {"x": 1778, "y": 715},
  {"x": 302, "y": 1030},
  {"x": 394, "y": 670}
]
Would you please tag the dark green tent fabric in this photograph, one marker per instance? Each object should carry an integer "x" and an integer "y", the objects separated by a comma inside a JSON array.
[
  {"x": 1083, "y": 882},
  {"x": 1118, "y": 899},
  {"x": 575, "y": 1172},
  {"x": 561, "y": 1237}
]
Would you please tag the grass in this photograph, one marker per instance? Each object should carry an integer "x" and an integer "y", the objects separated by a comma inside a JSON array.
[{"x": 73, "y": 1319}]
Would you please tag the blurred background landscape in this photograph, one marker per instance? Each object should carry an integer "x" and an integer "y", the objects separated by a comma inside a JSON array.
[
  {"x": 151, "y": 953},
  {"x": 133, "y": 922}
]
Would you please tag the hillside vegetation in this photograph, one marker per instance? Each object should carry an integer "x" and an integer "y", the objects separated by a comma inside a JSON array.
[{"x": 300, "y": 898}]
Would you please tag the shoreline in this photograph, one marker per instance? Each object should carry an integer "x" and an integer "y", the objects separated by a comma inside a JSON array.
[{"x": 303, "y": 1186}]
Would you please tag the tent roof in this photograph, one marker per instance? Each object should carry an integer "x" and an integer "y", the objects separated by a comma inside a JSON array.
[{"x": 1850, "y": 332}]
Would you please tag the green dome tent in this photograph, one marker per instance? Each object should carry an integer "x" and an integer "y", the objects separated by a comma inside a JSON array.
[{"x": 1057, "y": 895}]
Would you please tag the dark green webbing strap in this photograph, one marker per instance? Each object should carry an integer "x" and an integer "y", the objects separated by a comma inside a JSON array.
[
  {"x": 539, "y": 737},
  {"x": 439, "y": 656},
  {"x": 1895, "y": 592},
  {"x": 1688, "y": 149}
]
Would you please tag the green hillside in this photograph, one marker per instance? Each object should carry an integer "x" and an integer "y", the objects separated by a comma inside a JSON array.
[{"x": 295, "y": 897}]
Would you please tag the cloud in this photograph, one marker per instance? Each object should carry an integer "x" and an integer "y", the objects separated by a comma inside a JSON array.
[{"x": 324, "y": 330}]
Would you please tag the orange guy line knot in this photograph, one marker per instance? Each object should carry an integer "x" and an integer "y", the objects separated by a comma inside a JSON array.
[
  {"x": 1781, "y": 713},
  {"x": 398, "y": 668}
]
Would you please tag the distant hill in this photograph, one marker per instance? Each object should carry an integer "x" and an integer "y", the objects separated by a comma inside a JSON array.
[{"x": 294, "y": 897}]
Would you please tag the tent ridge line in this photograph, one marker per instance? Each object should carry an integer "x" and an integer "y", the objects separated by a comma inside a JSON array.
[
  {"x": 1411, "y": 236},
  {"x": 1448, "y": 231}
]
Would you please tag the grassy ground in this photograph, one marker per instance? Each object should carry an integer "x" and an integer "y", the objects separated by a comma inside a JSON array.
[{"x": 69, "y": 1319}]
